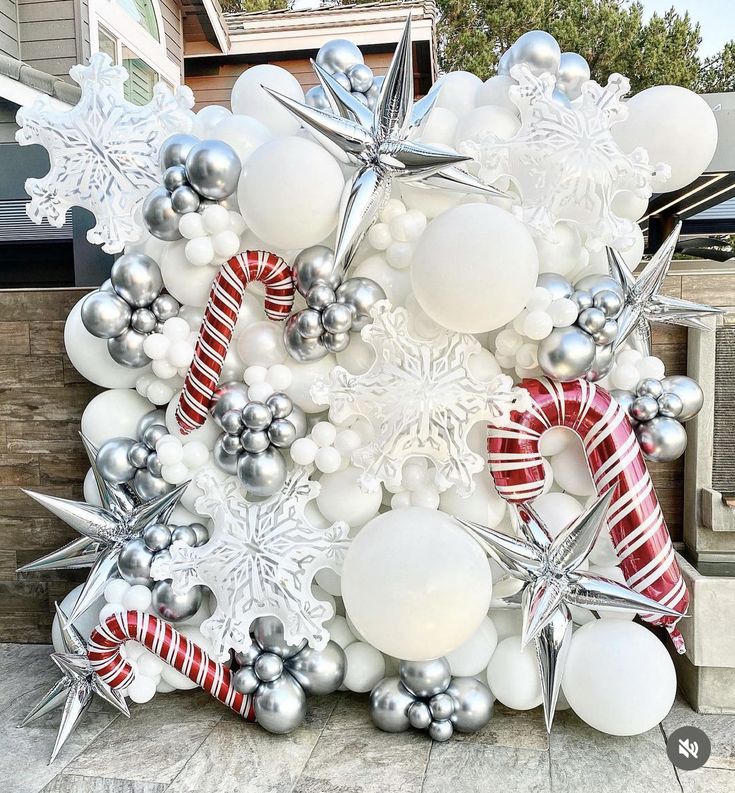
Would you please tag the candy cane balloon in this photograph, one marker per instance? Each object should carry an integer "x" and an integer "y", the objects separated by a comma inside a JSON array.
[
  {"x": 220, "y": 316},
  {"x": 635, "y": 519},
  {"x": 104, "y": 652}
]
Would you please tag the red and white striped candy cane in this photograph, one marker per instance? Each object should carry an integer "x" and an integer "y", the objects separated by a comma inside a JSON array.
[
  {"x": 635, "y": 519},
  {"x": 220, "y": 317},
  {"x": 170, "y": 646}
]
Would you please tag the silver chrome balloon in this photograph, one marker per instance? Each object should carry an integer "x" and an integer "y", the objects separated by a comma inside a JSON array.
[
  {"x": 688, "y": 391},
  {"x": 425, "y": 678},
  {"x": 608, "y": 301},
  {"x": 441, "y": 731},
  {"x": 315, "y": 97},
  {"x": 644, "y": 408},
  {"x": 175, "y": 606},
  {"x": 419, "y": 715},
  {"x": 147, "y": 486},
  {"x": 230, "y": 396},
  {"x": 174, "y": 177},
  {"x": 300, "y": 348},
  {"x": 213, "y": 169},
  {"x": 441, "y": 706},
  {"x": 566, "y": 353},
  {"x": 160, "y": 217},
  {"x": 137, "y": 279},
  {"x": 185, "y": 199},
  {"x": 360, "y": 76},
  {"x": 389, "y": 704},
  {"x": 127, "y": 349},
  {"x": 254, "y": 441},
  {"x": 231, "y": 422},
  {"x": 649, "y": 387},
  {"x": 201, "y": 532},
  {"x": 602, "y": 363},
  {"x": 662, "y": 439},
  {"x": 556, "y": 284},
  {"x": 245, "y": 680},
  {"x": 268, "y": 667},
  {"x": 105, "y": 314},
  {"x": 338, "y": 318},
  {"x": 338, "y": 55},
  {"x": 157, "y": 537},
  {"x": 143, "y": 320},
  {"x": 268, "y": 635},
  {"x": 134, "y": 562},
  {"x": 592, "y": 320},
  {"x": 473, "y": 704},
  {"x": 153, "y": 433},
  {"x": 175, "y": 150},
  {"x": 157, "y": 416},
  {"x": 227, "y": 461},
  {"x": 624, "y": 398},
  {"x": 279, "y": 404},
  {"x": 309, "y": 323},
  {"x": 281, "y": 433},
  {"x": 113, "y": 460},
  {"x": 256, "y": 415},
  {"x": 153, "y": 464},
  {"x": 262, "y": 474},
  {"x": 185, "y": 534},
  {"x": 319, "y": 671},
  {"x": 164, "y": 307},
  {"x": 361, "y": 294},
  {"x": 335, "y": 342},
  {"x": 538, "y": 50},
  {"x": 670, "y": 405},
  {"x": 315, "y": 265},
  {"x": 280, "y": 706},
  {"x": 573, "y": 73},
  {"x": 138, "y": 455},
  {"x": 320, "y": 296}
]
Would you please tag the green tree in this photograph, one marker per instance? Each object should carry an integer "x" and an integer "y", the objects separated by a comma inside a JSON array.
[{"x": 718, "y": 73}]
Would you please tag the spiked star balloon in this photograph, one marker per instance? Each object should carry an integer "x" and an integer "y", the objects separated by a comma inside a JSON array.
[
  {"x": 75, "y": 689},
  {"x": 642, "y": 303},
  {"x": 104, "y": 530},
  {"x": 378, "y": 143},
  {"x": 552, "y": 581}
]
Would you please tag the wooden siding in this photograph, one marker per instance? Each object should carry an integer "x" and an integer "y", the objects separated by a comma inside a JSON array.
[
  {"x": 8, "y": 127},
  {"x": 172, "y": 30},
  {"x": 48, "y": 35},
  {"x": 212, "y": 81},
  {"x": 9, "y": 28}
]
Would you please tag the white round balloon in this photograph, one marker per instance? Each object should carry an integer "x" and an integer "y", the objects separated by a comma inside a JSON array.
[
  {"x": 244, "y": 133},
  {"x": 114, "y": 414},
  {"x": 513, "y": 675},
  {"x": 365, "y": 667},
  {"x": 415, "y": 584},
  {"x": 85, "y": 623},
  {"x": 472, "y": 657},
  {"x": 190, "y": 284},
  {"x": 207, "y": 433},
  {"x": 483, "y": 506},
  {"x": 249, "y": 97},
  {"x": 618, "y": 677},
  {"x": 289, "y": 192},
  {"x": 341, "y": 498},
  {"x": 557, "y": 510},
  {"x": 474, "y": 268},
  {"x": 484, "y": 120},
  {"x": 457, "y": 91},
  {"x": 303, "y": 377}
]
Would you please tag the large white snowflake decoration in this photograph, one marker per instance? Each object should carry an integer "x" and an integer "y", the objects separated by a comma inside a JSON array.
[
  {"x": 103, "y": 152},
  {"x": 564, "y": 159},
  {"x": 260, "y": 560},
  {"x": 421, "y": 399}
]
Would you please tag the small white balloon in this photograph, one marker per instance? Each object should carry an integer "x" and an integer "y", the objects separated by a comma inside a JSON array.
[
  {"x": 341, "y": 498},
  {"x": 339, "y": 631},
  {"x": 495, "y": 91},
  {"x": 507, "y": 622},
  {"x": 188, "y": 283},
  {"x": 572, "y": 472},
  {"x": 207, "y": 120},
  {"x": 501, "y": 123},
  {"x": 513, "y": 675},
  {"x": 113, "y": 414},
  {"x": 557, "y": 510},
  {"x": 483, "y": 505}
]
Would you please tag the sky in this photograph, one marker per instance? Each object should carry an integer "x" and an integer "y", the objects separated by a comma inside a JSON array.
[{"x": 716, "y": 19}]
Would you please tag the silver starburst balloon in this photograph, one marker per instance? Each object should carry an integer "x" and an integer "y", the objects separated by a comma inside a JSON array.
[
  {"x": 378, "y": 143},
  {"x": 105, "y": 530},
  {"x": 642, "y": 303},
  {"x": 552, "y": 581},
  {"x": 75, "y": 689}
]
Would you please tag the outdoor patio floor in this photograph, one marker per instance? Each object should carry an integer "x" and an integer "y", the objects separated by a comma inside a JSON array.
[{"x": 189, "y": 743}]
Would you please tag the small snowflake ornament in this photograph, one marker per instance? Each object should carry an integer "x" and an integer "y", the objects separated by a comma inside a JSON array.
[
  {"x": 421, "y": 399},
  {"x": 260, "y": 560},
  {"x": 564, "y": 159},
  {"x": 103, "y": 152}
]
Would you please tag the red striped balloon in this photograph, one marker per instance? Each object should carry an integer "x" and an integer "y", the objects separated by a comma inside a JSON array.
[
  {"x": 636, "y": 522},
  {"x": 104, "y": 652},
  {"x": 220, "y": 317}
]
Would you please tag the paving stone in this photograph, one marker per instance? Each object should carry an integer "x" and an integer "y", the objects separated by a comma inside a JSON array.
[
  {"x": 514, "y": 729},
  {"x": 67, "y": 783},
  {"x": 707, "y": 780},
  {"x": 719, "y": 729}
]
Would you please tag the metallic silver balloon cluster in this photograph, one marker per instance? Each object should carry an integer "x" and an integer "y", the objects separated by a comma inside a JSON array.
[
  {"x": 196, "y": 173},
  {"x": 584, "y": 348},
  {"x": 279, "y": 675},
  {"x": 128, "y": 307},
  {"x": 427, "y": 697},
  {"x": 657, "y": 410},
  {"x": 126, "y": 461},
  {"x": 253, "y": 435},
  {"x": 334, "y": 307},
  {"x": 344, "y": 61}
]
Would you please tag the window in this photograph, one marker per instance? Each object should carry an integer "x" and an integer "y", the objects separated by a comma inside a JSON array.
[{"x": 131, "y": 33}]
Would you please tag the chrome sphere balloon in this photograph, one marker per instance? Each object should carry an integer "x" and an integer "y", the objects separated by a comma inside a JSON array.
[
  {"x": 174, "y": 177},
  {"x": 670, "y": 404},
  {"x": 143, "y": 320},
  {"x": 138, "y": 455},
  {"x": 361, "y": 294},
  {"x": 566, "y": 353},
  {"x": 184, "y": 199},
  {"x": 280, "y": 706},
  {"x": 360, "y": 76},
  {"x": 650, "y": 387},
  {"x": 157, "y": 537},
  {"x": 262, "y": 474},
  {"x": 661, "y": 439},
  {"x": 113, "y": 462},
  {"x": 164, "y": 307},
  {"x": 152, "y": 417},
  {"x": 229, "y": 396},
  {"x": 268, "y": 667},
  {"x": 425, "y": 678},
  {"x": 338, "y": 318},
  {"x": 224, "y": 460},
  {"x": 473, "y": 704},
  {"x": 602, "y": 363},
  {"x": 201, "y": 531},
  {"x": 315, "y": 265},
  {"x": 213, "y": 168},
  {"x": 644, "y": 408},
  {"x": 281, "y": 433},
  {"x": 153, "y": 464},
  {"x": 185, "y": 534},
  {"x": 335, "y": 342},
  {"x": 255, "y": 441},
  {"x": 625, "y": 399},
  {"x": 134, "y": 563},
  {"x": 160, "y": 217},
  {"x": 147, "y": 486},
  {"x": 315, "y": 97},
  {"x": 389, "y": 704},
  {"x": 137, "y": 279},
  {"x": 573, "y": 73},
  {"x": 689, "y": 391},
  {"x": 419, "y": 715},
  {"x": 279, "y": 405},
  {"x": 556, "y": 284},
  {"x": 539, "y": 50},
  {"x": 127, "y": 349},
  {"x": 338, "y": 55},
  {"x": 245, "y": 680},
  {"x": 319, "y": 672},
  {"x": 268, "y": 634},
  {"x": 175, "y": 150},
  {"x": 309, "y": 323},
  {"x": 441, "y": 731},
  {"x": 257, "y": 415},
  {"x": 105, "y": 314},
  {"x": 441, "y": 706},
  {"x": 175, "y": 606},
  {"x": 300, "y": 348}
]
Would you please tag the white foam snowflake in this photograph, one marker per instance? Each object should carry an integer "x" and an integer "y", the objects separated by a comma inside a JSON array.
[
  {"x": 564, "y": 159},
  {"x": 103, "y": 152},
  {"x": 260, "y": 560},
  {"x": 420, "y": 398}
]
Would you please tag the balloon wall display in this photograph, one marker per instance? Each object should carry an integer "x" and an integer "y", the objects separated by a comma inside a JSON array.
[{"x": 344, "y": 352}]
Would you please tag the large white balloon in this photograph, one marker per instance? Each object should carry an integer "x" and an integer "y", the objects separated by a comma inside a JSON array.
[
  {"x": 495, "y": 91},
  {"x": 206, "y": 434},
  {"x": 483, "y": 506},
  {"x": 457, "y": 91},
  {"x": 261, "y": 344},
  {"x": 618, "y": 677},
  {"x": 472, "y": 657},
  {"x": 341, "y": 498},
  {"x": 85, "y": 623},
  {"x": 243, "y": 133},
  {"x": 474, "y": 268},
  {"x": 414, "y": 584},
  {"x": 289, "y": 192},
  {"x": 483, "y": 120},
  {"x": 676, "y": 127},
  {"x": 188, "y": 283},
  {"x": 114, "y": 414},
  {"x": 89, "y": 355},
  {"x": 513, "y": 675},
  {"x": 557, "y": 510},
  {"x": 249, "y": 98},
  {"x": 303, "y": 377},
  {"x": 571, "y": 470}
]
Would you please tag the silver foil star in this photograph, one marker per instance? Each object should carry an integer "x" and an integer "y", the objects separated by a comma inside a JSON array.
[
  {"x": 642, "y": 303},
  {"x": 553, "y": 581},
  {"x": 377, "y": 142},
  {"x": 104, "y": 530},
  {"x": 75, "y": 689}
]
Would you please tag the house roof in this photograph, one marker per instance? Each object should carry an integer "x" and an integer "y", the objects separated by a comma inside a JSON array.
[{"x": 15, "y": 74}]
